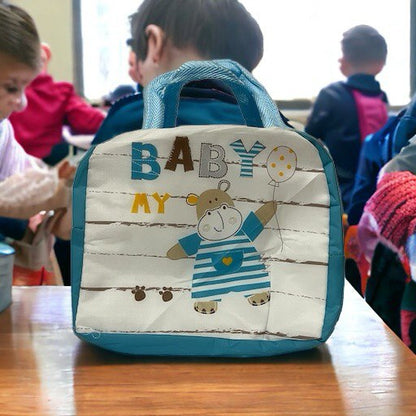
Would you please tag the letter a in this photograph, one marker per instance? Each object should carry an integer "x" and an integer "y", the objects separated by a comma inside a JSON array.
[{"x": 181, "y": 145}]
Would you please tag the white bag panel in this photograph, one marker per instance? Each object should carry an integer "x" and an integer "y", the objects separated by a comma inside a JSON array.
[
  {"x": 287, "y": 316},
  {"x": 286, "y": 191},
  {"x": 116, "y": 239},
  {"x": 307, "y": 279},
  {"x": 103, "y": 209}
]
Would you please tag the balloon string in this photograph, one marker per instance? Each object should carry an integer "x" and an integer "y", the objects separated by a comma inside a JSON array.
[{"x": 277, "y": 220}]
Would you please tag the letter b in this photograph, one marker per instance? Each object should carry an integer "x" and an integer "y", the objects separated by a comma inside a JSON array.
[
  {"x": 144, "y": 154},
  {"x": 212, "y": 164}
]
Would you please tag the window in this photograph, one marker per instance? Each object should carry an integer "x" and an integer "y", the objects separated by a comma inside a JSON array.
[
  {"x": 302, "y": 43},
  {"x": 105, "y": 30},
  {"x": 301, "y": 37}
]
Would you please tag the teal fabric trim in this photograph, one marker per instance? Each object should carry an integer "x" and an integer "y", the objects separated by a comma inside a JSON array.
[
  {"x": 335, "y": 283},
  {"x": 177, "y": 345},
  {"x": 78, "y": 228}
]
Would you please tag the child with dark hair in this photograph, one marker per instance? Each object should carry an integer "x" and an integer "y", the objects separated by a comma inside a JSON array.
[
  {"x": 345, "y": 112},
  {"x": 19, "y": 64},
  {"x": 207, "y": 29},
  {"x": 164, "y": 35}
]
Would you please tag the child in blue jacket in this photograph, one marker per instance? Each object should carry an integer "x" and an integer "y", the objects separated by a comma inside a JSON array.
[
  {"x": 345, "y": 112},
  {"x": 166, "y": 34}
]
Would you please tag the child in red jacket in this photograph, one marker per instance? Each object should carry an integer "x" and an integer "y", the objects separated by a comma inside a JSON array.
[{"x": 50, "y": 106}]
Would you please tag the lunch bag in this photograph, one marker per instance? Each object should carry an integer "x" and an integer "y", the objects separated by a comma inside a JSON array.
[{"x": 217, "y": 240}]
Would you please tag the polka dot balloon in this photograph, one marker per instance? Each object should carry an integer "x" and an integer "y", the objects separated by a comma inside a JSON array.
[{"x": 281, "y": 164}]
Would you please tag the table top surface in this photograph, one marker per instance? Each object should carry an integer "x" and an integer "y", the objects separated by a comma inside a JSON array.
[{"x": 363, "y": 369}]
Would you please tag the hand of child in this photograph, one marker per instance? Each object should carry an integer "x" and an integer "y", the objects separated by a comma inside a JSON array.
[
  {"x": 66, "y": 170},
  {"x": 61, "y": 223}
]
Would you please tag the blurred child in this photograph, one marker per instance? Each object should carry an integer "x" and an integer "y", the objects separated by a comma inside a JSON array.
[
  {"x": 50, "y": 106},
  {"x": 378, "y": 149},
  {"x": 345, "y": 112},
  {"x": 19, "y": 64},
  {"x": 389, "y": 217},
  {"x": 28, "y": 186}
]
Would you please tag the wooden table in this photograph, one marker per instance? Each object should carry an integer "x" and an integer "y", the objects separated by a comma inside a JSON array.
[{"x": 363, "y": 369}]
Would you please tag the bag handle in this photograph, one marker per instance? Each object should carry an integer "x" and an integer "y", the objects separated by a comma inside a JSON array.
[{"x": 161, "y": 95}]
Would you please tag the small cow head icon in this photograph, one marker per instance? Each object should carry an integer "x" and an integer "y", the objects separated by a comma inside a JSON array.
[{"x": 218, "y": 219}]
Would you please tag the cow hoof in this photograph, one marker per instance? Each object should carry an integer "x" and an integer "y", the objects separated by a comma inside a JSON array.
[
  {"x": 259, "y": 298},
  {"x": 207, "y": 308}
]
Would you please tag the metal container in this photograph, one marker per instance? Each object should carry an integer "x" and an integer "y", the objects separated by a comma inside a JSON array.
[{"x": 6, "y": 275}]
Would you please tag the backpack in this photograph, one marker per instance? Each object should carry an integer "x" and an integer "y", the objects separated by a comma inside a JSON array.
[
  {"x": 372, "y": 112},
  {"x": 214, "y": 240}
]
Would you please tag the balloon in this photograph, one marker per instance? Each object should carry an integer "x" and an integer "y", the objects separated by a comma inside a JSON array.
[{"x": 281, "y": 164}]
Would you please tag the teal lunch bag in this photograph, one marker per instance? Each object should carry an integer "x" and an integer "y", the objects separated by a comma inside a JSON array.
[{"x": 216, "y": 240}]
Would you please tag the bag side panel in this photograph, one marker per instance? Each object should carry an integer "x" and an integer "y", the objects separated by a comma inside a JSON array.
[
  {"x": 335, "y": 282},
  {"x": 78, "y": 229}
]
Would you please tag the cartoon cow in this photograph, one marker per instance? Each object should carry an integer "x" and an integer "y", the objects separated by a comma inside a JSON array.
[{"x": 226, "y": 260}]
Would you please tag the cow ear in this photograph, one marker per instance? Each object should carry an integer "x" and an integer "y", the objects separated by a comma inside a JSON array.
[{"x": 192, "y": 199}]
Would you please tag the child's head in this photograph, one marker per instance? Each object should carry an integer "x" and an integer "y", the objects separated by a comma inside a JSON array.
[
  {"x": 19, "y": 57},
  {"x": 364, "y": 50},
  {"x": 167, "y": 33}
]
